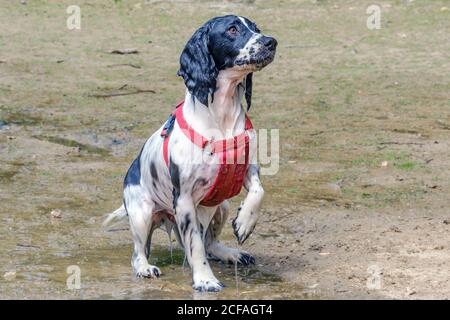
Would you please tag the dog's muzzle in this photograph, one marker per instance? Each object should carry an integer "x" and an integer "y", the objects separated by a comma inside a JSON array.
[{"x": 260, "y": 54}]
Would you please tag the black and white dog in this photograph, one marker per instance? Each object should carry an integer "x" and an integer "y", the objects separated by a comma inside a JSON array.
[{"x": 216, "y": 65}]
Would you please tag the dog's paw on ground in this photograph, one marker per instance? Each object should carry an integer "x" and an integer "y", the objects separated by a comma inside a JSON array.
[
  {"x": 246, "y": 259},
  {"x": 148, "y": 271},
  {"x": 230, "y": 255},
  {"x": 208, "y": 285}
]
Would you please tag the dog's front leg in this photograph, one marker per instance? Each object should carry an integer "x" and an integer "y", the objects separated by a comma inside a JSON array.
[
  {"x": 248, "y": 211},
  {"x": 202, "y": 275}
]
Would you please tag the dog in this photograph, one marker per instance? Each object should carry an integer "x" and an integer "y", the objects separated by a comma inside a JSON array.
[{"x": 180, "y": 180}]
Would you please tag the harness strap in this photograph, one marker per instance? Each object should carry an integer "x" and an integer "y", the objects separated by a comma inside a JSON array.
[
  {"x": 198, "y": 139},
  {"x": 167, "y": 130},
  {"x": 230, "y": 176}
]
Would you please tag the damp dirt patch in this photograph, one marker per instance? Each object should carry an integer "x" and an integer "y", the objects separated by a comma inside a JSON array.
[
  {"x": 74, "y": 144},
  {"x": 21, "y": 118}
]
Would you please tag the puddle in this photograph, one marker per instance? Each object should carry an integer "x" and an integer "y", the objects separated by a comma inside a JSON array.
[
  {"x": 39, "y": 249},
  {"x": 105, "y": 270}
]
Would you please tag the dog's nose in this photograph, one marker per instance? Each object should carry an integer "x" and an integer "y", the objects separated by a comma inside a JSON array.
[{"x": 269, "y": 42}]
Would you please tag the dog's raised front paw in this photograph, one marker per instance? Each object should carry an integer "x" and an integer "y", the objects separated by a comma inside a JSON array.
[
  {"x": 243, "y": 227},
  {"x": 148, "y": 271}
]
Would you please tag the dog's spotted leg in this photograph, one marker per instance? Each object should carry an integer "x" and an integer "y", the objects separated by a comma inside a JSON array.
[
  {"x": 202, "y": 275},
  {"x": 248, "y": 212},
  {"x": 218, "y": 251},
  {"x": 191, "y": 232},
  {"x": 140, "y": 213}
]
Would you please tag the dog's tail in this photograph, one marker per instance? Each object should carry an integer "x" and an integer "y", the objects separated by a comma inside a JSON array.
[{"x": 119, "y": 214}]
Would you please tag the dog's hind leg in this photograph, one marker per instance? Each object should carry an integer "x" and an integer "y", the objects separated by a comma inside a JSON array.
[
  {"x": 218, "y": 251},
  {"x": 140, "y": 212}
]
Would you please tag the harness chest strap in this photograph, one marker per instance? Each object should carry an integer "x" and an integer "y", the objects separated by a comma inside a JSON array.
[{"x": 233, "y": 154}]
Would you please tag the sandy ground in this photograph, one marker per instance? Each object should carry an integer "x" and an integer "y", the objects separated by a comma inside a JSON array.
[{"x": 358, "y": 209}]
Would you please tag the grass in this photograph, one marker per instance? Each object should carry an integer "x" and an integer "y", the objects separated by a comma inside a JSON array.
[
  {"x": 408, "y": 165},
  {"x": 399, "y": 159}
]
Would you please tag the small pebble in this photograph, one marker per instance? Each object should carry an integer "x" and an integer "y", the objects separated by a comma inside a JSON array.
[{"x": 56, "y": 213}]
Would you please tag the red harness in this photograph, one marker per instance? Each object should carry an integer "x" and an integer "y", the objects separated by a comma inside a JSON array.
[{"x": 233, "y": 154}]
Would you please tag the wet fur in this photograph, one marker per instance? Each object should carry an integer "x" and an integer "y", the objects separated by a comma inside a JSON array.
[{"x": 159, "y": 196}]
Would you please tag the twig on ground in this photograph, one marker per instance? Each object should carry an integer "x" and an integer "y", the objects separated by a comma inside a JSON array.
[
  {"x": 125, "y": 51},
  {"x": 316, "y": 133},
  {"x": 124, "y": 65}
]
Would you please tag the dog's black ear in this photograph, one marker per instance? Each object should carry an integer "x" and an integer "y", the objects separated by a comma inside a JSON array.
[
  {"x": 197, "y": 66},
  {"x": 248, "y": 90}
]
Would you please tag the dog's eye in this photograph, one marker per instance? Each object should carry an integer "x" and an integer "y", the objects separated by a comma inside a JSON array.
[{"x": 233, "y": 31}]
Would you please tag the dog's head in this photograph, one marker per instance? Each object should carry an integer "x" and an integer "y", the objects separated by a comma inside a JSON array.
[{"x": 223, "y": 43}]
